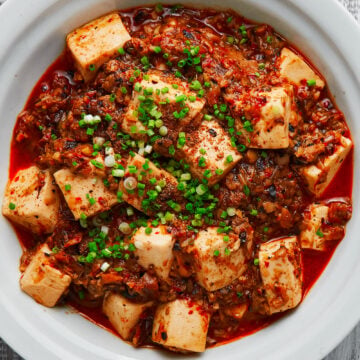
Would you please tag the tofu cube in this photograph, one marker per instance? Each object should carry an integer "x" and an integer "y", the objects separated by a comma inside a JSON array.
[
  {"x": 181, "y": 325},
  {"x": 319, "y": 176},
  {"x": 123, "y": 314},
  {"x": 136, "y": 129},
  {"x": 281, "y": 272},
  {"x": 154, "y": 249},
  {"x": 32, "y": 200},
  {"x": 139, "y": 198},
  {"x": 311, "y": 236},
  {"x": 42, "y": 281},
  {"x": 96, "y": 42},
  {"x": 219, "y": 156},
  {"x": 84, "y": 195},
  {"x": 271, "y": 114},
  {"x": 217, "y": 262},
  {"x": 296, "y": 70}
]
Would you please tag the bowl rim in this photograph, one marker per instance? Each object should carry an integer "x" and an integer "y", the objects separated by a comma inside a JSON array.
[{"x": 338, "y": 325}]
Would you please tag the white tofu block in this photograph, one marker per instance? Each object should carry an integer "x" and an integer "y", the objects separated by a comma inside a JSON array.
[
  {"x": 271, "y": 126},
  {"x": 281, "y": 273},
  {"x": 123, "y": 314},
  {"x": 295, "y": 69},
  {"x": 316, "y": 215},
  {"x": 154, "y": 249},
  {"x": 133, "y": 197},
  {"x": 82, "y": 189},
  {"x": 42, "y": 281},
  {"x": 181, "y": 325},
  {"x": 319, "y": 176},
  {"x": 96, "y": 42},
  {"x": 217, "y": 262},
  {"x": 211, "y": 137},
  {"x": 157, "y": 84},
  {"x": 36, "y": 200}
]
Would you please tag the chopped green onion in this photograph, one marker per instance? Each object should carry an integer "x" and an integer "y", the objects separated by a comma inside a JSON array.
[
  {"x": 311, "y": 82},
  {"x": 145, "y": 60},
  {"x": 157, "y": 49},
  {"x": 195, "y": 85},
  {"x": 180, "y": 98},
  {"x": 171, "y": 150},
  {"x": 319, "y": 233},
  {"x": 253, "y": 212},
  {"x": 246, "y": 190},
  {"x": 158, "y": 8},
  {"x": 230, "y": 39},
  {"x": 97, "y": 164},
  {"x": 229, "y": 159}
]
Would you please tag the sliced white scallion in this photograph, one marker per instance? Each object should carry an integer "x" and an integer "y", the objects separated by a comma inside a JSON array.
[
  {"x": 200, "y": 189},
  {"x": 117, "y": 172},
  {"x": 109, "y": 151},
  {"x": 185, "y": 177},
  {"x": 148, "y": 149},
  {"x": 105, "y": 229},
  {"x": 97, "y": 221},
  {"x": 92, "y": 119},
  {"x": 125, "y": 228},
  {"x": 231, "y": 211},
  {"x": 129, "y": 211},
  {"x": 109, "y": 161},
  {"x": 105, "y": 266},
  {"x": 130, "y": 183}
]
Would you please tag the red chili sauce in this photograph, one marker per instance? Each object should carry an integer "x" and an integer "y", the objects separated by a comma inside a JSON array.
[{"x": 22, "y": 157}]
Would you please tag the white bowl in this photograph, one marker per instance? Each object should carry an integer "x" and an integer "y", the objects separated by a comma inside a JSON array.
[{"x": 32, "y": 36}]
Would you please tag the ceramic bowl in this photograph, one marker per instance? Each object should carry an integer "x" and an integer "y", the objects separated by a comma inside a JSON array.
[{"x": 32, "y": 36}]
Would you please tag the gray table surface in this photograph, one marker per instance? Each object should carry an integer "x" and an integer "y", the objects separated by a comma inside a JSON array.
[{"x": 348, "y": 349}]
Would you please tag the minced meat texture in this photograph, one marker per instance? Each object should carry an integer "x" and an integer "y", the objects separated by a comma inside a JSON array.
[{"x": 220, "y": 55}]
